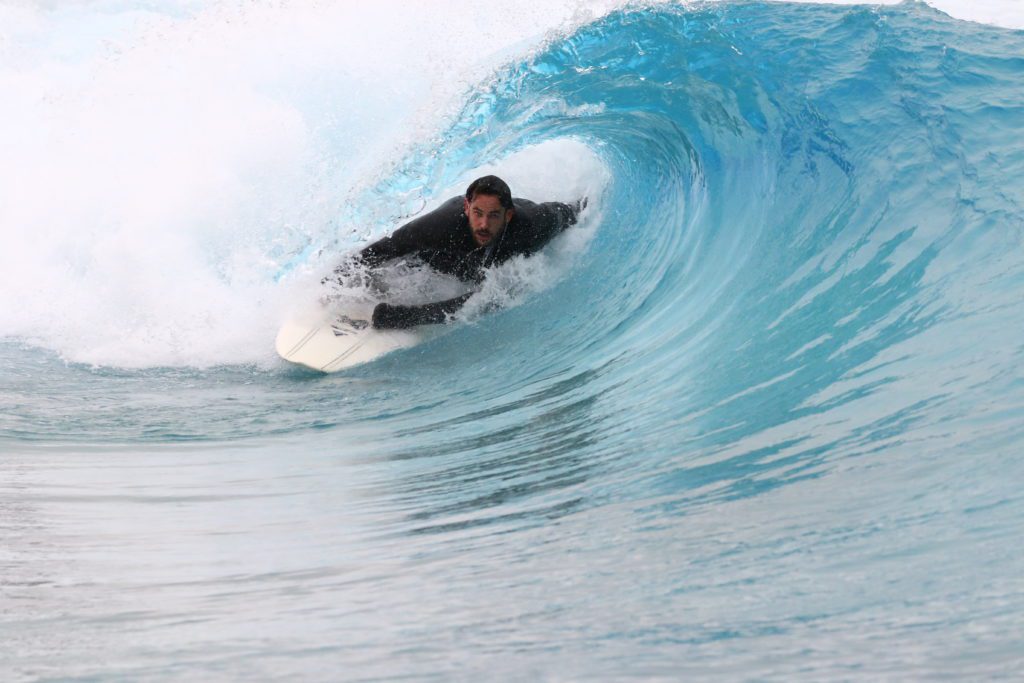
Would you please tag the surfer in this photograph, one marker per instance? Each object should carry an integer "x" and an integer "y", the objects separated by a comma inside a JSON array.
[{"x": 463, "y": 237}]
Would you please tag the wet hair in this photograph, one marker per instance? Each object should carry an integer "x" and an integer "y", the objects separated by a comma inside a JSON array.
[{"x": 490, "y": 185}]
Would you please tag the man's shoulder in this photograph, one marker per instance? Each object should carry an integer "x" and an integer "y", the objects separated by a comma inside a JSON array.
[
  {"x": 438, "y": 221},
  {"x": 455, "y": 201},
  {"x": 525, "y": 207},
  {"x": 542, "y": 214},
  {"x": 448, "y": 210},
  {"x": 534, "y": 225}
]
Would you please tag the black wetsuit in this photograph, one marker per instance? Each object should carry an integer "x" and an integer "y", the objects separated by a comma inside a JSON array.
[{"x": 443, "y": 240}]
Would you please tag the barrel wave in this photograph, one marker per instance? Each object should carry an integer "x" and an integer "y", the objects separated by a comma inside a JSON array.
[{"x": 758, "y": 417}]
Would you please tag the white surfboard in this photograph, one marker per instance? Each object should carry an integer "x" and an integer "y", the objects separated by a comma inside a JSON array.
[{"x": 330, "y": 341}]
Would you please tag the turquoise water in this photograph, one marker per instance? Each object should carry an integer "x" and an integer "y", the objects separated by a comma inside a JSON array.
[{"x": 763, "y": 421}]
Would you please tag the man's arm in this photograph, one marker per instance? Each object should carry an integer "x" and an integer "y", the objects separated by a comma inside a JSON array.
[
  {"x": 426, "y": 232},
  {"x": 540, "y": 224},
  {"x": 396, "y": 317},
  {"x": 556, "y": 217},
  {"x": 429, "y": 231}
]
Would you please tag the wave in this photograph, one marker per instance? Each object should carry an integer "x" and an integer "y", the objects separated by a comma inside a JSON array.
[
  {"x": 766, "y": 396},
  {"x": 788, "y": 200}
]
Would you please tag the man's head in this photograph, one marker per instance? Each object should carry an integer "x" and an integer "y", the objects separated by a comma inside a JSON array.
[{"x": 488, "y": 206}]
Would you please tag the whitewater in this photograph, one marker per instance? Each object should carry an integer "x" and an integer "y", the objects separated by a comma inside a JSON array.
[{"x": 759, "y": 416}]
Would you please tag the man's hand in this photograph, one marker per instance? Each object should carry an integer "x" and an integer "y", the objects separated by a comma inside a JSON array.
[{"x": 392, "y": 317}]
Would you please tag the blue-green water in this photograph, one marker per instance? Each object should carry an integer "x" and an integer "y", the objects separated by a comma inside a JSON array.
[{"x": 765, "y": 422}]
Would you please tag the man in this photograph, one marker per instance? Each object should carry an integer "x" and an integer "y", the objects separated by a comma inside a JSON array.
[{"x": 463, "y": 237}]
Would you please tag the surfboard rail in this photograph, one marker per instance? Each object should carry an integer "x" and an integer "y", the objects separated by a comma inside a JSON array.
[{"x": 330, "y": 341}]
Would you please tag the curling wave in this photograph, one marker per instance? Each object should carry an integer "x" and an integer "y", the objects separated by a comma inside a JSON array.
[{"x": 755, "y": 401}]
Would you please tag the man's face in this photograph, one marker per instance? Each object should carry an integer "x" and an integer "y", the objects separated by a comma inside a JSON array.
[{"x": 487, "y": 217}]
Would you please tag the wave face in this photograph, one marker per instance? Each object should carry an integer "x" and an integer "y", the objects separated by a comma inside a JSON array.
[{"x": 762, "y": 419}]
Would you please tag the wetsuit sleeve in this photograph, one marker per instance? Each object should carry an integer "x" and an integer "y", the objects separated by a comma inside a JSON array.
[
  {"x": 556, "y": 217},
  {"x": 540, "y": 223},
  {"x": 396, "y": 317},
  {"x": 429, "y": 231},
  {"x": 565, "y": 214}
]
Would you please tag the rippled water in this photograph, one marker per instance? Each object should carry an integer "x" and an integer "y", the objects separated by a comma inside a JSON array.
[{"x": 761, "y": 418}]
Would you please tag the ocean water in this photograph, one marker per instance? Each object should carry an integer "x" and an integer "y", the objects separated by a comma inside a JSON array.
[{"x": 760, "y": 416}]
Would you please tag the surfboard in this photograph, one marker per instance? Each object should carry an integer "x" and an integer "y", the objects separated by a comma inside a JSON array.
[{"x": 332, "y": 340}]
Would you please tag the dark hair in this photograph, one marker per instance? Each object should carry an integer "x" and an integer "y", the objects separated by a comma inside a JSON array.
[{"x": 491, "y": 185}]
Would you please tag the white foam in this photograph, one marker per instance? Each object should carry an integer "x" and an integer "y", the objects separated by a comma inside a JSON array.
[{"x": 1005, "y": 13}]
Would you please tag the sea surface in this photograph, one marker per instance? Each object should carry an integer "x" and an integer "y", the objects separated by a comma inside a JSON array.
[{"x": 760, "y": 416}]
